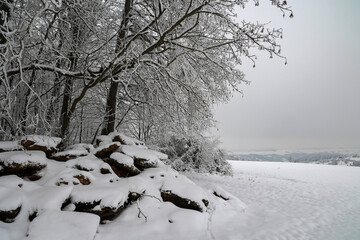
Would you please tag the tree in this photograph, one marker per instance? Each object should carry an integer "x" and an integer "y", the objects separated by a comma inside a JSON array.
[{"x": 172, "y": 58}]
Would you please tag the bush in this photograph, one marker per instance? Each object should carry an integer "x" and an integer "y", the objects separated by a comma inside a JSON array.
[{"x": 196, "y": 154}]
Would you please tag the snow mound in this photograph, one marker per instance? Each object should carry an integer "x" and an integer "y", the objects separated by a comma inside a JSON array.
[{"x": 63, "y": 226}]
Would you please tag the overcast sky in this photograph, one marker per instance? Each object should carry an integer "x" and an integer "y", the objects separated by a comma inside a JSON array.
[{"x": 314, "y": 101}]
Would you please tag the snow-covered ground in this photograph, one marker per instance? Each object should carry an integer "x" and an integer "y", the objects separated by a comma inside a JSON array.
[{"x": 290, "y": 201}]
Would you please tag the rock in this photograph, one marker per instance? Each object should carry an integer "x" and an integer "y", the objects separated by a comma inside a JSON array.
[
  {"x": 10, "y": 215},
  {"x": 142, "y": 163},
  {"x": 220, "y": 196},
  {"x": 125, "y": 140},
  {"x": 106, "y": 150},
  {"x": 46, "y": 144},
  {"x": 105, "y": 171},
  {"x": 22, "y": 164},
  {"x": 106, "y": 202},
  {"x": 80, "y": 179},
  {"x": 83, "y": 180},
  {"x": 168, "y": 196},
  {"x": 7, "y": 146},
  {"x": 68, "y": 155},
  {"x": 123, "y": 165}
]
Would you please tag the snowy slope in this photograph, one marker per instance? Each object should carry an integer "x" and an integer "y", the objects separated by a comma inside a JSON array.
[{"x": 291, "y": 201}]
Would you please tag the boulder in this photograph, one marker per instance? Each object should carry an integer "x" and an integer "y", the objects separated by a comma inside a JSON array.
[
  {"x": 11, "y": 200},
  {"x": 69, "y": 154},
  {"x": 181, "y": 202},
  {"x": 122, "y": 165},
  {"x": 7, "y": 146},
  {"x": 22, "y": 164},
  {"x": 9, "y": 216},
  {"x": 106, "y": 202},
  {"x": 46, "y": 144},
  {"x": 106, "y": 150}
]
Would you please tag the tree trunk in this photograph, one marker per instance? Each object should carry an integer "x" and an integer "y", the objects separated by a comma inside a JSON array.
[{"x": 110, "y": 113}]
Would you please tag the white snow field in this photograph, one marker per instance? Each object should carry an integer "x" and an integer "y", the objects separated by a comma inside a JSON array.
[{"x": 288, "y": 201}]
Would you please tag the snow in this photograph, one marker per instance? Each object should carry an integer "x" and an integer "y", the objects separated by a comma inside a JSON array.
[
  {"x": 184, "y": 188},
  {"x": 23, "y": 158},
  {"x": 136, "y": 152},
  {"x": 105, "y": 145},
  {"x": 72, "y": 152},
  {"x": 45, "y": 141},
  {"x": 10, "y": 145},
  {"x": 263, "y": 200},
  {"x": 109, "y": 196},
  {"x": 62, "y": 225},
  {"x": 10, "y": 199},
  {"x": 289, "y": 201},
  {"x": 123, "y": 159},
  {"x": 49, "y": 198}
]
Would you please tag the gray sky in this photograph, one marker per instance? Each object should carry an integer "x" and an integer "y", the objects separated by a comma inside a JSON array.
[{"x": 314, "y": 101}]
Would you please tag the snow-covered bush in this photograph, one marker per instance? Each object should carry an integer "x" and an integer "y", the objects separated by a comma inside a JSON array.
[{"x": 198, "y": 154}]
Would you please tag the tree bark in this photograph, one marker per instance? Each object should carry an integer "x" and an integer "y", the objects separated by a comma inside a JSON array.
[{"x": 110, "y": 112}]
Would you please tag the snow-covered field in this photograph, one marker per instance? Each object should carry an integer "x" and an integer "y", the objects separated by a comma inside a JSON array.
[{"x": 290, "y": 201}]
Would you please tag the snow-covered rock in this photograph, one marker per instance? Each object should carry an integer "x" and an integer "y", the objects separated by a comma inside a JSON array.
[
  {"x": 7, "y": 146},
  {"x": 42, "y": 143},
  {"x": 24, "y": 164},
  {"x": 61, "y": 225},
  {"x": 184, "y": 193},
  {"x": 10, "y": 203},
  {"x": 122, "y": 164},
  {"x": 69, "y": 154},
  {"x": 106, "y": 150}
]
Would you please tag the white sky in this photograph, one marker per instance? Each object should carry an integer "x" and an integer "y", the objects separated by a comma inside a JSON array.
[{"x": 314, "y": 101}]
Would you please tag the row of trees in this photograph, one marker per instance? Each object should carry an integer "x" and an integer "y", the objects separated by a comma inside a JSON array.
[{"x": 75, "y": 68}]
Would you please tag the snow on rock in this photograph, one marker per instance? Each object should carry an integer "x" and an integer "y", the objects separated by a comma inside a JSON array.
[
  {"x": 125, "y": 140},
  {"x": 107, "y": 196},
  {"x": 10, "y": 203},
  {"x": 184, "y": 193},
  {"x": 22, "y": 158},
  {"x": 6, "y": 146},
  {"x": 152, "y": 200},
  {"x": 22, "y": 163},
  {"x": 105, "y": 150},
  {"x": 39, "y": 140},
  {"x": 81, "y": 146},
  {"x": 42, "y": 143},
  {"x": 122, "y": 165},
  {"x": 69, "y": 154},
  {"x": 143, "y": 158},
  {"x": 71, "y": 176},
  {"x": 61, "y": 225},
  {"x": 48, "y": 198},
  {"x": 104, "y": 201},
  {"x": 103, "y": 139}
]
